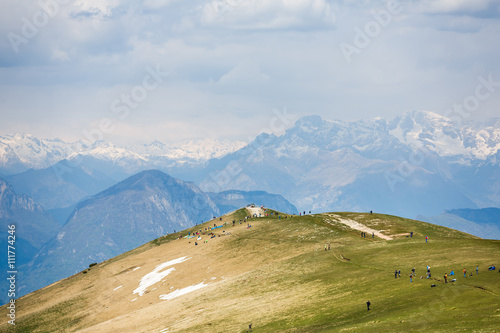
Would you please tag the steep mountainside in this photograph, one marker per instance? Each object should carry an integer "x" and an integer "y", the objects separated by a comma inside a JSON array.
[
  {"x": 277, "y": 276},
  {"x": 128, "y": 214},
  {"x": 34, "y": 226},
  {"x": 61, "y": 185}
]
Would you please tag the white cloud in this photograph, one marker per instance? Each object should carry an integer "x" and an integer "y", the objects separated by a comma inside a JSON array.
[
  {"x": 266, "y": 14},
  {"x": 451, "y": 6}
]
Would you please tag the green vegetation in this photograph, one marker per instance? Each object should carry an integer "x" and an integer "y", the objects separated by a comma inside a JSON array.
[
  {"x": 283, "y": 279},
  {"x": 56, "y": 318}
]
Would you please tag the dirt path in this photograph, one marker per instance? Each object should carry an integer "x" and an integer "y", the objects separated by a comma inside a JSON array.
[{"x": 358, "y": 226}]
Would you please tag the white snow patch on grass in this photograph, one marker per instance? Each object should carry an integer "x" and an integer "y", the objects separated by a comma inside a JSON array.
[
  {"x": 135, "y": 299},
  {"x": 157, "y": 275},
  {"x": 117, "y": 288},
  {"x": 180, "y": 292},
  {"x": 135, "y": 269}
]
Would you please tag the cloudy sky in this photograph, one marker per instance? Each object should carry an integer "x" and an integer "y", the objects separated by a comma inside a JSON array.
[{"x": 172, "y": 70}]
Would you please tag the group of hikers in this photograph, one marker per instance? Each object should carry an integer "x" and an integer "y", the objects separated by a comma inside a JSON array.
[{"x": 397, "y": 273}]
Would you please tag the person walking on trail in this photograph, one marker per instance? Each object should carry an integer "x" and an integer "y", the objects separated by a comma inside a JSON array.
[
  {"x": 426, "y": 238},
  {"x": 411, "y": 234},
  {"x": 396, "y": 274},
  {"x": 328, "y": 246},
  {"x": 477, "y": 270},
  {"x": 445, "y": 278},
  {"x": 465, "y": 273},
  {"x": 413, "y": 271},
  {"x": 368, "y": 305},
  {"x": 411, "y": 277},
  {"x": 399, "y": 273},
  {"x": 325, "y": 247}
]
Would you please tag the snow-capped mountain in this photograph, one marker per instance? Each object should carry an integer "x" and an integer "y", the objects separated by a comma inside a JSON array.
[
  {"x": 466, "y": 143},
  {"x": 21, "y": 152},
  {"x": 198, "y": 150},
  {"x": 419, "y": 162}
]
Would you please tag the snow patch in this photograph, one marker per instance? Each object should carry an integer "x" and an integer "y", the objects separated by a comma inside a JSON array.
[
  {"x": 135, "y": 269},
  {"x": 117, "y": 288},
  {"x": 157, "y": 275},
  {"x": 180, "y": 292}
]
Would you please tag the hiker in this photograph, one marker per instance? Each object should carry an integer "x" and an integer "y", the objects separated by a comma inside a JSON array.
[
  {"x": 445, "y": 278},
  {"x": 452, "y": 273},
  {"x": 411, "y": 277},
  {"x": 368, "y": 305},
  {"x": 396, "y": 274},
  {"x": 361, "y": 233},
  {"x": 465, "y": 273},
  {"x": 413, "y": 270},
  {"x": 477, "y": 270},
  {"x": 325, "y": 247},
  {"x": 250, "y": 328},
  {"x": 426, "y": 238},
  {"x": 328, "y": 246},
  {"x": 399, "y": 273},
  {"x": 373, "y": 235},
  {"x": 411, "y": 234},
  {"x": 371, "y": 212}
]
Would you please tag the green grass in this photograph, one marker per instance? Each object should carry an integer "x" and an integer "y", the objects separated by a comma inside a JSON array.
[
  {"x": 294, "y": 285},
  {"x": 56, "y": 318},
  {"x": 340, "y": 289}
]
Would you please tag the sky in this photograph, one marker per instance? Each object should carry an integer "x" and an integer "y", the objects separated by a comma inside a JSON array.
[{"x": 170, "y": 70}]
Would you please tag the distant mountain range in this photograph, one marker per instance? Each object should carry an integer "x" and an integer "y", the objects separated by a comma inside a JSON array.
[
  {"x": 418, "y": 163},
  {"x": 21, "y": 152}
]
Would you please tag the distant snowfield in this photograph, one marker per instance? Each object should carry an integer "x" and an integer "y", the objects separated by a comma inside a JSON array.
[
  {"x": 183, "y": 291},
  {"x": 157, "y": 275}
]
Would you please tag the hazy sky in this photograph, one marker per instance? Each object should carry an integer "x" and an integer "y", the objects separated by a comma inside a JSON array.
[{"x": 173, "y": 70}]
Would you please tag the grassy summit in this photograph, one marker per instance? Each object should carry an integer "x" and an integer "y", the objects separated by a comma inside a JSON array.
[{"x": 278, "y": 276}]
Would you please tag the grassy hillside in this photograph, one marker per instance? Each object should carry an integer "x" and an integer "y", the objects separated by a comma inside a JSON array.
[{"x": 278, "y": 276}]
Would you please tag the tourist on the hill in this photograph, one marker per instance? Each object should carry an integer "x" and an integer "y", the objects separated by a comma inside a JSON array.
[
  {"x": 396, "y": 274},
  {"x": 368, "y": 305},
  {"x": 411, "y": 234},
  {"x": 413, "y": 271},
  {"x": 477, "y": 270},
  {"x": 328, "y": 246},
  {"x": 465, "y": 273},
  {"x": 411, "y": 277},
  {"x": 445, "y": 278},
  {"x": 426, "y": 238},
  {"x": 399, "y": 273},
  {"x": 373, "y": 235}
]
